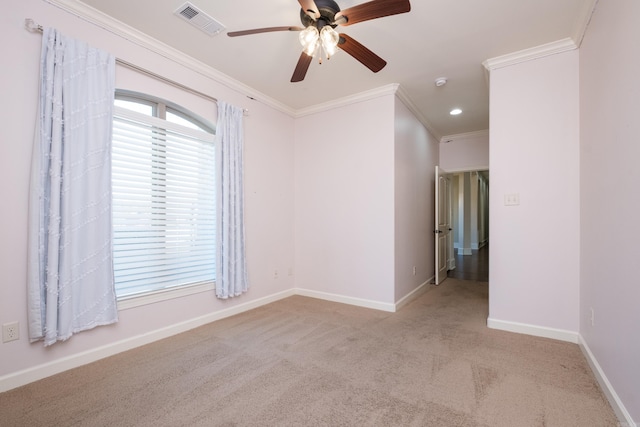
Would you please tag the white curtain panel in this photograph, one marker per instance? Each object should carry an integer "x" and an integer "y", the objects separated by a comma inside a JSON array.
[
  {"x": 70, "y": 270},
  {"x": 231, "y": 270}
]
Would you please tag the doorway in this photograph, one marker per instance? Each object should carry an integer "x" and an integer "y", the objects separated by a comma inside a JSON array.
[{"x": 470, "y": 224}]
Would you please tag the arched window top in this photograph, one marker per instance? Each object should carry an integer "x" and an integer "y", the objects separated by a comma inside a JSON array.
[{"x": 160, "y": 108}]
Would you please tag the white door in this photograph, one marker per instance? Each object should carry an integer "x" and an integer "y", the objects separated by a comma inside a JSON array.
[{"x": 442, "y": 225}]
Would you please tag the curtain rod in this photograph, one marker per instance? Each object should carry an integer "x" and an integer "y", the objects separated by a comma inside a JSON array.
[{"x": 34, "y": 27}]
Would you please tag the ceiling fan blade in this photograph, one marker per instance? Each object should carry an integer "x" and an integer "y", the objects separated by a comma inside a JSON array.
[
  {"x": 301, "y": 68},
  {"x": 262, "y": 30},
  {"x": 372, "y": 10},
  {"x": 310, "y": 8},
  {"x": 361, "y": 53}
]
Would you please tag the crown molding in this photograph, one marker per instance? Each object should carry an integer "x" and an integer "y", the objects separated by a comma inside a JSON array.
[
  {"x": 530, "y": 54},
  {"x": 106, "y": 22},
  {"x": 588, "y": 7},
  {"x": 406, "y": 100},
  {"x": 389, "y": 89},
  {"x": 464, "y": 136}
]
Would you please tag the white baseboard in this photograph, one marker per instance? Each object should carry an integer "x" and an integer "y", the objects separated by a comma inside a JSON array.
[
  {"x": 377, "y": 305},
  {"x": 368, "y": 303},
  {"x": 618, "y": 407},
  {"x": 621, "y": 412},
  {"x": 538, "y": 331},
  {"x": 26, "y": 376},
  {"x": 414, "y": 294}
]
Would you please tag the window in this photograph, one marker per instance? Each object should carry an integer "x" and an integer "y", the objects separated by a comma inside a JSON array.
[{"x": 164, "y": 202}]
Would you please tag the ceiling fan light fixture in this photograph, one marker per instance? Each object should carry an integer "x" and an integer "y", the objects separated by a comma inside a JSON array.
[
  {"x": 309, "y": 38},
  {"x": 318, "y": 36},
  {"x": 312, "y": 48},
  {"x": 329, "y": 38}
]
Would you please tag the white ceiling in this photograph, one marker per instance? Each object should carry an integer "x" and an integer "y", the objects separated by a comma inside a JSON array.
[{"x": 438, "y": 38}]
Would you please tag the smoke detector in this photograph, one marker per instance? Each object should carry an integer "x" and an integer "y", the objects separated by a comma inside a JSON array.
[
  {"x": 199, "y": 19},
  {"x": 441, "y": 81}
]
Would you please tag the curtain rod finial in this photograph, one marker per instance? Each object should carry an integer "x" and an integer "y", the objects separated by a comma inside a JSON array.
[{"x": 31, "y": 25}]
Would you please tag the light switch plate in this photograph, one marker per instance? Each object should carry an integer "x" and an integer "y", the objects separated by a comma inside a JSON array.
[{"x": 512, "y": 199}]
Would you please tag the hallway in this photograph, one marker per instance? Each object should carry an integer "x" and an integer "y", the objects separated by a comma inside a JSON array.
[{"x": 472, "y": 267}]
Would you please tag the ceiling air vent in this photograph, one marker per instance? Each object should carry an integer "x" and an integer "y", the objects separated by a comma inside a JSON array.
[{"x": 199, "y": 19}]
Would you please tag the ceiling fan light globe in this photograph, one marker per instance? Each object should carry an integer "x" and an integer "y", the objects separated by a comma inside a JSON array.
[
  {"x": 330, "y": 51},
  {"x": 312, "y": 48},
  {"x": 308, "y": 37},
  {"x": 329, "y": 37}
]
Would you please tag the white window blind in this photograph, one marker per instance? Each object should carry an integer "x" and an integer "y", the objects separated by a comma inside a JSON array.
[{"x": 164, "y": 213}]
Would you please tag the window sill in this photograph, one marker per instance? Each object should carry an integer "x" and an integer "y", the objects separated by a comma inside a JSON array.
[{"x": 131, "y": 301}]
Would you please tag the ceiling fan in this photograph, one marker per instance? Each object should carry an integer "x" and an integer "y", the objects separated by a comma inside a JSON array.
[{"x": 317, "y": 36}]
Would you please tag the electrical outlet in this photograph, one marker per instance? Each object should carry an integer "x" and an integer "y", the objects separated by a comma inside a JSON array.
[
  {"x": 275, "y": 274},
  {"x": 414, "y": 270},
  {"x": 10, "y": 331},
  {"x": 593, "y": 317}
]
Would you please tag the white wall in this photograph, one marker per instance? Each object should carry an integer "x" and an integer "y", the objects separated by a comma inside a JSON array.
[
  {"x": 268, "y": 181},
  {"x": 534, "y": 264},
  {"x": 344, "y": 201},
  {"x": 465, "y": 152},
  {"x": 610, "y": 202},
  {"x": 416, "y": 155}
]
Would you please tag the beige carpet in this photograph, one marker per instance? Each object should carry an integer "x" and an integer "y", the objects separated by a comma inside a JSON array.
[{"x": 306, "y": 362}]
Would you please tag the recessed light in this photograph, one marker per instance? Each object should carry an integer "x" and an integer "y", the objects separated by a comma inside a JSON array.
[{"x": 455, "y": 112}]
